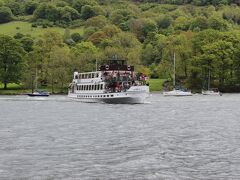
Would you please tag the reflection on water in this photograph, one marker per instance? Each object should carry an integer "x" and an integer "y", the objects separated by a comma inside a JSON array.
[{"x": 170, "y": 138}]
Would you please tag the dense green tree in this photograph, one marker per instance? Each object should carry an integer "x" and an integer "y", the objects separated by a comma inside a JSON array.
[
  {"x": 84, "y": 56},
  {"x": 222, "y": 53},
  {"x": 30, "y": 6},
  {"x": 11, "y": 60},
  {"x": 5, "y": 14},
  {"x": 41, "y": 54},
  {"x": 76, "y": 37},
  {"x": 217, "y": 23},
  {"x": 78, "y": 4},
  {"x": 87, "y": 12},
  {"x": 68, "y": 14},
  {"x": 97, "y": 37},
  {"x": 97, "y": 21},
  {"x": 164, "y": 21},
  {"x": 47, "y": 11},
  {"x": 60, "y": 71},
  {"x": 27, "y": 43},
  {"x": 16, "y": 7}
]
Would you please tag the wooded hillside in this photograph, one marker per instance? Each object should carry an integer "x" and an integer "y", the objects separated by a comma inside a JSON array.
[{"x": 204, "y": 35}]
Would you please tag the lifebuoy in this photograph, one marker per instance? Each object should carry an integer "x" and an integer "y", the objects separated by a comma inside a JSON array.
[{"x": 107, "y": 67}]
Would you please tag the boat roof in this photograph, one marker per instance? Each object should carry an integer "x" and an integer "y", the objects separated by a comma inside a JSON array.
[{"x": 116, "y": 65}]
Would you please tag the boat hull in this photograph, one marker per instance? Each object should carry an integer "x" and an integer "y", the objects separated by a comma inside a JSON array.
[
  {"x": 133, "y": 96},
  {"x": 38, "y": 95},
  {"x": 211, "y": 93},
  {"x": 118, "y": 99},
  {"x": 177, "y": 93}
]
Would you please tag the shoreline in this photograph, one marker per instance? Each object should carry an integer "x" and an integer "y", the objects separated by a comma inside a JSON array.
[{"x": 25, "y": 94}]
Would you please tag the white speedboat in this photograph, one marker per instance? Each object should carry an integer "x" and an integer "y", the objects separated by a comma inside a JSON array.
[
  {"x": 177, "y": 92},
  {"x": 114, "y": 83},
  {"x": 211, "y": 92}
]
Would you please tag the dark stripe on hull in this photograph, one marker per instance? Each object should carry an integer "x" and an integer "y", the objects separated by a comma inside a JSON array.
[
  {"x": 124, "y": 100},
  {"x": 34, "y": 95}
]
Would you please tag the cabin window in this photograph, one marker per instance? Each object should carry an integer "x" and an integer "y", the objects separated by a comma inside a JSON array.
[
  {"x": 89, "y": 76},
  {"x": 92, "y": 87},
  {"x": 95, "y": 87},
  {"x": 97, "y": 75},
  {"x": 101, "y": 86},
  {"x": 92, "y": 75},
  {"x": 98, "y": 87}
]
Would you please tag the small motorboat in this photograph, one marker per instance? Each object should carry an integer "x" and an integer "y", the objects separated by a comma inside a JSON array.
[
  {"x": 39, "y": 93},
  {"x": 212, "y": 92},
  {"x": 177, "y": 92}
]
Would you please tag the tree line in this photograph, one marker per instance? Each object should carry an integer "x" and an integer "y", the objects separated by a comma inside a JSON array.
[{"x": 145, "y": 33}]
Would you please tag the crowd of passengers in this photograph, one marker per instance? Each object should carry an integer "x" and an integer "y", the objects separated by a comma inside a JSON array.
[{"x": 117, "y": 82}]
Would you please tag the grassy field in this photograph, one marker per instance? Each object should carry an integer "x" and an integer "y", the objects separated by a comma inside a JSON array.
[
  {"x": 14, "y": 89},
  {"x": 156, "y": 84},
  {"x": 11, "y": 86},
  {"x": 26, "y": 28}
]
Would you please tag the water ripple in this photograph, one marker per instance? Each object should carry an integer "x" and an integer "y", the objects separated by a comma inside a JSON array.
[{"x": 169, "y": 138}]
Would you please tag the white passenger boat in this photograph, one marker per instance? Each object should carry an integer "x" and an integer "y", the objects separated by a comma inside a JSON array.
[{"x": 114, "y": 83}]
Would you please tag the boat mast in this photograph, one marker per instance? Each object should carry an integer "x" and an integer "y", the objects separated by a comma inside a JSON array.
[
  {"x": 209, "y": 79},
  {"x": 32, "y": 83},
  {"x": 174, "y": 70},
  {"x": 96, "y": 65},
  {"x": 36, "y": 79}
]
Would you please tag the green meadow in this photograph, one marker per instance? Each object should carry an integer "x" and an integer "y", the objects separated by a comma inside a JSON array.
[
  {"x": 26, "y": 28},
  {"x": 156, "y": 84}
]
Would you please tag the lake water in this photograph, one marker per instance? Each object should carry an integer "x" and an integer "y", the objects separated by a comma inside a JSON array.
[{"x": 194, "y": 137}]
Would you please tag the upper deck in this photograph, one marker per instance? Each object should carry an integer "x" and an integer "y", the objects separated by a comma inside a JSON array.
[{"x": 116, "y": 65}]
